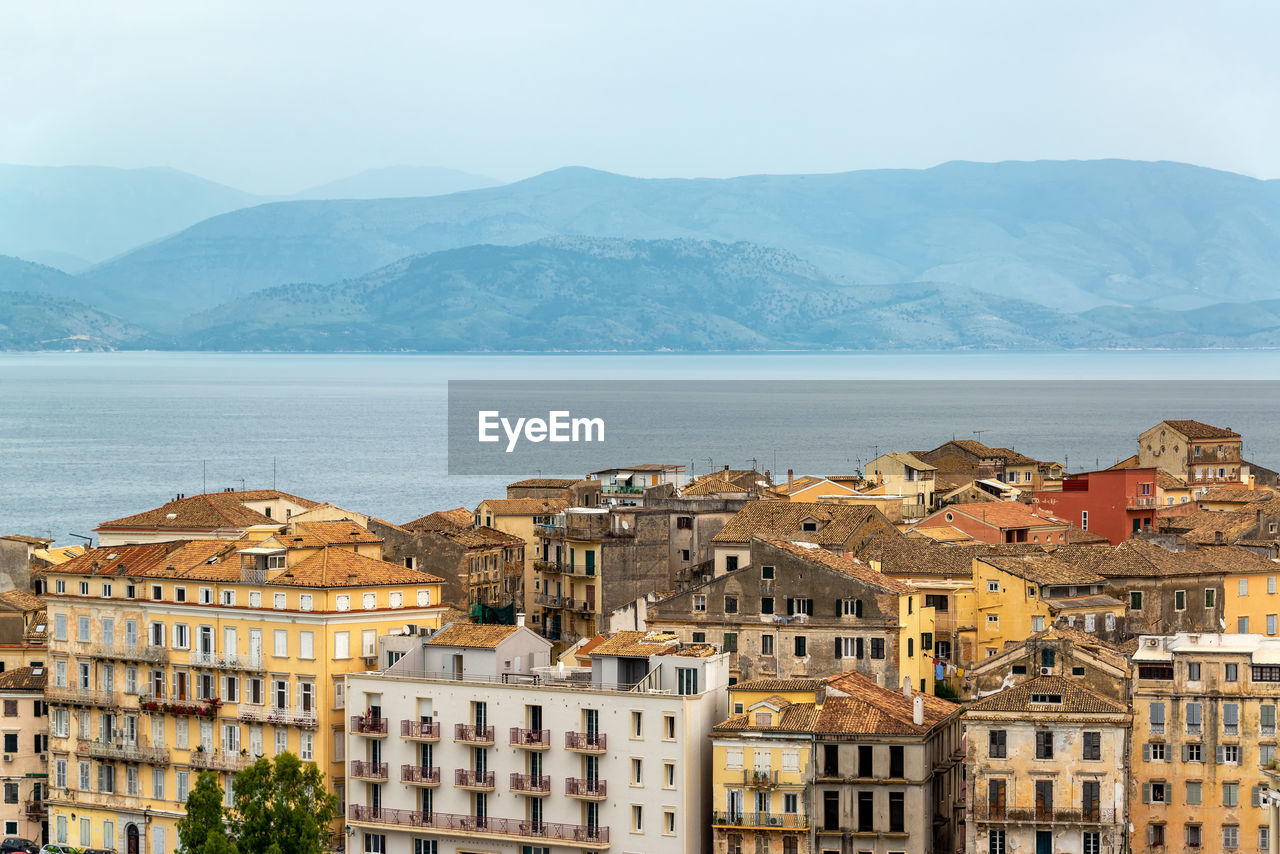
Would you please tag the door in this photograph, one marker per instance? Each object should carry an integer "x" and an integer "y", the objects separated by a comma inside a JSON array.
[
  {"x": 1091, "y": 800},
  {"x": 735, "y": 805},
  {"x": 1044, "y": 842},
  {"x": 1044, "y": 802},
  {"x": 131, "y": 840},
  {"x": 255, "y": 644},
  {"x": 996, "y": 794}
]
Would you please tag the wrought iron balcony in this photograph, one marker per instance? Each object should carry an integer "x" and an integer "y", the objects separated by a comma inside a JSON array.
[
  {"x": 472, "y": 734},
  {"x": 252, "y": 663},
  {"x": 531, "y": 784},
  {"x": 420, "y": 775},
  {"x": 368, "y": 770},
  {"x": 126, "y": 652},
  {"x": 531, "y": 739},
  {"x": 123, "y": 752},
  {"x": 516, "y": 830},
  {"x": 465, "y": 778},
  {"x": 577, "y": 787},
  {"x": 420, "y": 730},
  {"x": 585, "y": 742},
  {"x": 57, "y": 696},
  {"x": 306, "y": 718},
  {"x": 778, "y": 821},
  {"x": 219, "y": 760},
  {"x": 993, "y": 814},
  {"x": 368, "y": 725}
]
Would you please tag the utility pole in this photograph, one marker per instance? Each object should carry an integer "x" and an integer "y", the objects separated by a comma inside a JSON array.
[{"x": 204, "y": 482}]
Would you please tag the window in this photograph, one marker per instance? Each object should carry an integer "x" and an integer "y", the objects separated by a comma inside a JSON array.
[
  {"x": 255, "y": 598},
  {"x": 1044, "y": 744},
  {"x": 1271, "y": 624},
  {"x": 281, "y": 643},
  {"x": 1194, "y": 792},
  {"x": 1084, "y": 520},
  {"x": 1230, "y": 836},
  {"x": 995, "y": 842},
  {"x": 1037, "y": 624},
  {"x": 766, "y": 644},
  {"x": 669, "y": 727},
  {"x": 1193, "y": 835},
  {"x": 993, "y": 586},
  {"x": 637, "y": 818},
  {"x": 1193, "y": 671},
  {"x": 730, "y": 642},
  {"x": 341, "y": 645},
  {"x": 1229, "y": 754},
  {"x": 1192, "y": 753},
  {"x": 686, "y": 681},
  {"x": 1210, "y": 597},
  {"x": 1230, "y": 672},
  {"x": 1179, "y": 600},
  {"x": 637, "y": 772},
  {"x": 851, "y": 607},
  {"x": 279, "y": 602},
  {"x": 993, "y": 621},
  {"x": 699, "y": 603},
  {"x": 1154, "y": 752},
  {"x": 1135, "y": 600},
  {"x": 1092, "y": 745},
  {"x": 877, "y": 648},
  {"x": 84, "y": 588},
  {"x": 637, "y": 725},
  {"x": 1193, "y": 717},
  {"x": 801, "y": 646},
  {"x": 228, "y": 597},
  {"x": 1231, "y": 718},
  {"x": 1090, "y": 622},
  {"x": 1242, "y": 587},
  {"x": 82, "y": 629},
  {"x": 206, "y": 595},
  {"x": 766, "y": 604},
  {"x": 1230, "y": 794},
  {"x": 1242, "y": 625},
  {"x": 1154, "y": 793},
  {"x": 731, "y": 604},
  {"x": 306, "y": 645}
]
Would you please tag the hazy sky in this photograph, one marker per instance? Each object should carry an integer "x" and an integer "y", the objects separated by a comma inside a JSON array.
[{"x": 275, "y": 96}]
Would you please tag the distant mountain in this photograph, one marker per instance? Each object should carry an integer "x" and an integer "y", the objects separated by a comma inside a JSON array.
[
  {"x": 581, "y": 294},
  {"x": 395, "y": 182},
  {"x": 34, "y": 322},
  {"x": 76, "y": 215},
  {"x": 1071, "y": 236},
  {"x": 17, "y": 274}
]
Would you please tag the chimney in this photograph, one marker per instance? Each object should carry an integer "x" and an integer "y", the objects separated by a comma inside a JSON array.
[
  {"x": 917, "y": 710},
  {"x": 906, "y": 686},
  {"x": 726, "y": 466},
  {"x": 791, "y": 478},
  {"x": 519, "y": 619}
]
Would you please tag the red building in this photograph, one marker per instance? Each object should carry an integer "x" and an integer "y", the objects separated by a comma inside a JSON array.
[
  {"x": 999, "y": 522},
  {"x": 1115, "y": 503}
]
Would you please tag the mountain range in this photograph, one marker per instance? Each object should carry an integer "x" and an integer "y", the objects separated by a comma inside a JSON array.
[{"x": 1046, "y": 254}]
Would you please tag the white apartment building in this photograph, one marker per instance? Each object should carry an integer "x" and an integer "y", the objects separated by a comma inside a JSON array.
[{"x": 472, "y": 742}]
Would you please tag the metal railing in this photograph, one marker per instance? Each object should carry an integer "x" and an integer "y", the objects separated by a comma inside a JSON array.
[
  {"x": 783, "y": 821},
  {"x": 549, "y": 600},
  {"x": 473, "y": 734},
  {"x": 578, "y": 787},
  {"x": 421, "y": 730},
  {"x": 1032, "y": 815},
  {"x": 125, "y": 652},
  {"x": 368, "y": 725},
  {"x": 589, "y": 741},
  {"x": 35, "y": 809},
  {"x": 123, "y": 752},
  {"x": 368, "y": 770},
  {"x": 530, "y": 737},
  {"x": 576, "y": 835},
  {"x": 252, "y": 662},
  {"x": 473, "y": 779},
  {"x": 219, "y": 760},
  {"x": 421, "y": 774},
  {"x": 536, "y": 783},
  {"x": 279, "y": 716},
  {"x": 55, "y": 695}
]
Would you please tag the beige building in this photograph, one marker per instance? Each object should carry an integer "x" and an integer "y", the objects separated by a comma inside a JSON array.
[
  {"x": 24, "y": 768},
  {"x": 524, "y": 518},
  {"x": 908, "y": 476},
  {"x": 1047, "y": 770},
  {"x": 1199, "y": 454},
  {"x": 226, "y": 515}
]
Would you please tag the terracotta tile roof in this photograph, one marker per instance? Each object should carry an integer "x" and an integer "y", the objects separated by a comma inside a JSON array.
[
  {"x": 1044, "y": 569},
  {"x": 1076, "y": 699},
  {"x": 1164, "y": 481},
  {"x": 1070, "y": 603},
  {"x": 643, "y": 467},
  {"x": 176, "y": 558},
  {"x": 481, "y": 538},
  {"x": 911, "y": 461},
  {"x": 393, "y": 526},
  {"x": 797, "y": 717},
  {"x": 1014, "y": 458},
  {"x": 459, "y": 517},
  {"x": 209, "y": 511},
  {"x": 546, "y": 482},
  {"x": 37, "y": 628},
  {"x": 912, "y": 556},
  {"x": 768, "y": 684},
  {"x": 1203, "y": 526},
  {"x": 1077, "y": 638},
  {"x": 1200, "y": 430},
  {"x": 525, "y": 506},
  {"x": 472, "y": 635},
  {"x": 1126, "y": 463},
  {"x": 319, "y": 534},
  {"x": 713, "y": 486},
  {"x": 21, "y": 600},
  {"x": 838, "y": 523},
  {"x": 1002, "y": 514},
  {"x": 873, "y": 709},
  {"x": 1238, "y": 495},
  {"x": 40, "y": 542},
  {"x": 23, "y": 679},
  {"x": 844, "y": 565},
  {"x": 635, "y": 644},
  {"x": 954, "y": 464},
  {"x": 1081, "y": 537},
  {"x": 337, "y": 567}
]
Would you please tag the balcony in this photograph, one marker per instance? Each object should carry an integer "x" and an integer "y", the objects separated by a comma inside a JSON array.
[
  {"x": 251, "y": 663},
  {"x": 550, "y": 600},
  {"x": 371, "y": 725},
  {"x": 56, "y": 696},
  {"x": 591, "y": 790},
  {"x": 120, "y": 751},
  {"x": 123, "y": 652},
  {"x": 277, "y": 716},
  {"x": 195, "y": 708},
  {"x": 585, "y": 742},
  {"x": 1140, "y": 502},
  {"x": 621, "y": 489},
  {"x": 471, "y": 734},
  {"x": 477, "y": 781},
  {"x": 362, "y": 770},
  {"x": 760, "y": 779},
  {"x": 35, "y": 810},
  {"x": 420, "y": 775},
  {"x": 420, "y": 730},
  {"x": 220, "y": 760},
  {"x": 530, "y": 739},
  {"x": 548, "y": 567},
  {"x": 531, "y": 784},
  {"x": 990, "y": 814},
  {"x": 514, "y": 830},
  {"x": 762, "y": 820}
]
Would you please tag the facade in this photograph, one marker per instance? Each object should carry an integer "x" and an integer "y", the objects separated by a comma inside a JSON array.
[
  {"x": 169, "y": 659},
  {"x": 1089, "y": 661},
  {"x": 835, "y": 527},
  {"x": 1116, "y": 503},
  {"x": 1204, "y": 708},
  {"x": 24, "y": 727},
  {"x": 525, "y": 518},
  {"x": 1047, "y": 770},
  {"x": 1197, "y": 453},
  {"x": 464, "y": 748},
  {"x": 983, "y": 462},
  {"x": 809, "y": 765},
  {"x": 626, "y": 485},
  {"x": 1001, "y": 522},
  {"x": 797, "y": 610},
  {"x": 480, "y": 565},
  {"x": 905, "y": 475},
  {"x": 579, "y": 492}
]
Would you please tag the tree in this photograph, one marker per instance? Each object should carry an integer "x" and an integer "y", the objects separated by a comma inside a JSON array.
[
  {"x": 203, "y": 830},
  {"x": 282, "y": 808}
]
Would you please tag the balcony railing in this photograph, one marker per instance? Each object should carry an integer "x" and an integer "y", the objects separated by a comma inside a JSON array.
[
  {"x": 760, "y": 779},
  {"x": 1141, "y": 502},
  {"x": 534, "y": 784},
  {"x": 420, "y": 775},
  {"x": 149, "y": 702},
  {"x": 549, "y": 600},
  {"x": 781, "y": 821},
  {"x": 621, "y": 489},
  {"x": 469, "y": 779},
  {"x": 123, "y": 752},
  {"x": 35, "y": 809},
  {"x": 420, "y": 730},
  {"x": 577, "y": 787},
  {"x": 124, "y": 652},
  {"x": 1024, "y": 815},
  {"x": 586, "y": 742},
  {"x": 519, "y": 830},
  {"x": 55, "y": 695},
  {"x": 220, "y": 760},
  {"x": 368, "y": 770},
  {"x": 368, "y": 725},
  {"x": 533, "y": 739},
  {"x": 472, "y": 734},
  {"x": 548, "y": 566},
  {"x": 277, "y": 716},
  {"x": 252, "y": 662}
]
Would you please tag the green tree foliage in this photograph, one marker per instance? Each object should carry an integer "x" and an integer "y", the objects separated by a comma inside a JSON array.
[
  {"x": 282, "y": 808},
  {"x": 203, "y": 830}
]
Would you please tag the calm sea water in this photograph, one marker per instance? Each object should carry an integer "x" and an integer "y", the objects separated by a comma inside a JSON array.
[{"x": 89, "y": 437}]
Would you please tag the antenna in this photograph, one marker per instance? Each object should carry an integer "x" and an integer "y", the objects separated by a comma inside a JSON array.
[
  {"x": 755, "y": 464},
  {"x": 273, "y": 472},
  {"x": 979, "y": 433},
  {"x": 88, "y": 540},
  {"x": 204, "y": 475}
]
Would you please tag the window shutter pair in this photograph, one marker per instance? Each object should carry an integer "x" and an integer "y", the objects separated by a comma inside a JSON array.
[{"x": 1146, "y": 753}]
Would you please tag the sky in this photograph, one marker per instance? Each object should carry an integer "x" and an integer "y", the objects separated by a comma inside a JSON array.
[{"x": 275, "y": 97}]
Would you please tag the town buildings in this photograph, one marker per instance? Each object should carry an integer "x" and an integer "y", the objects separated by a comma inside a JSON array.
[
  {"x": 1192, "y": 451},
  {"x": 24, "y": 766},
  {"x": 1116, "y": 503},
  {"x": 226, "y": 515},
  {"x": 1047, "y": 770},
  {"x": 835, "y": 527},
  {"x": 525, "y": 518},
  {"x": 905, "y": 475},
  {"x": 1000, "y": 522},
  {"x": 1059, "y": 650},
  {"x": 472, "y": 742},
  {"x": 172, "y": 658}
]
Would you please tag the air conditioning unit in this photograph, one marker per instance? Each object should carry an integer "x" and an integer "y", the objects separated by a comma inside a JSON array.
[
  {"x": 1046, "y": 671},
  {"x": 8, "y": 757},
  {"x": 370, "y": 660},
  {"x": 44, "y": 757}
]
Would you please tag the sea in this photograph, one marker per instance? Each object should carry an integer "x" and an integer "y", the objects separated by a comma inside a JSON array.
[{"x": 87, "y": 437}]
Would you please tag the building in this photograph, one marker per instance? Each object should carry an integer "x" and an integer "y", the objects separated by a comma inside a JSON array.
[
  {"x": 835, "y": 527},
  {"x": 1192, "y": 451},
  {"x": 983, "y": 462},
  {"x": 908, "y": 476},
  {"x": 24, "y": 770},
  {"x": 798, "y": 610},
  {"x": 524, "y": 518},
  {"x": 1204, "y": 721},
  {"x": 467, "y": 748},
  {"x": 1001, "y": 522},
  {"x": 626, "y": 485},
  {"x": 22, "y": 630},
  {"x": 578, "y": 491},
  {"x": 1088, "y": 660},
  {"x": 480, "y": 565},
  {"x": 226, "y": 515},
  {"x": 809, "y": 765},
  {"x": 810, "y": 488},
  {"x": 1115, "y": 503},
  {"x": 1047, "y": 770},
  {"x": 169, "y": 659}
]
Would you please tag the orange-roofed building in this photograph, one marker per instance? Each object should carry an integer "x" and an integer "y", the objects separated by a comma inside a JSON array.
[
  {"x": 213, "y": 515},
  {"x": 1000, "y": 522}
]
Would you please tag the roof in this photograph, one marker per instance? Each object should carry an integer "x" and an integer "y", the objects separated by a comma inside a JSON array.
[
  {"x": 37, "y": 628},
  {"x": 480, "y": 538},
  {"x": 1081, "y": 537},
  {"x": 23, "y": 679},
  {"x": 334, "y": 567},
  {"x": 312, "y": 535},
  {"x": 1076, "y": 699},
  {"x": 1001, "y": 514},
  {"x": 207, "y": 511},
  {"x": 867, "y": 707},
  {"x": 1166, "y": 481},
  {"x": 1114, "y": 654},
  {"x": 459, "y": 517},
  {"x": 784, "y": 519},
  {"x": 635, "y": 644},
  {"x": 643, "y": 467},
  {"x": 1043, "y": 569},
  {"x": 525, "y": 506},
  {"x": 176, "y": 559},
  {"x": 713, "y": 486},
  {"x": 472, "y": 635},
  {"x": 796, "y": 717},
  {"x": 21, "y": 600},
  {"x": 775, "y": 685},
  {"x": 546, "y": 482},
  {"x": 844, "y": 565},
  {"x": 1203, "y": 527},
  {"x": 908, "y": 460},
  {"x": 1236, "y": 495},
  {"x": 40, "y": 542},
  {"x": 912, "y": 556},
  {"x": 1199, "y": 430}
]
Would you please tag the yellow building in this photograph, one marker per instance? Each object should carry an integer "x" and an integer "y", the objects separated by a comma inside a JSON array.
[
  {"x": 172, "y": 658},
  {"x": 525, "y": 518}
]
